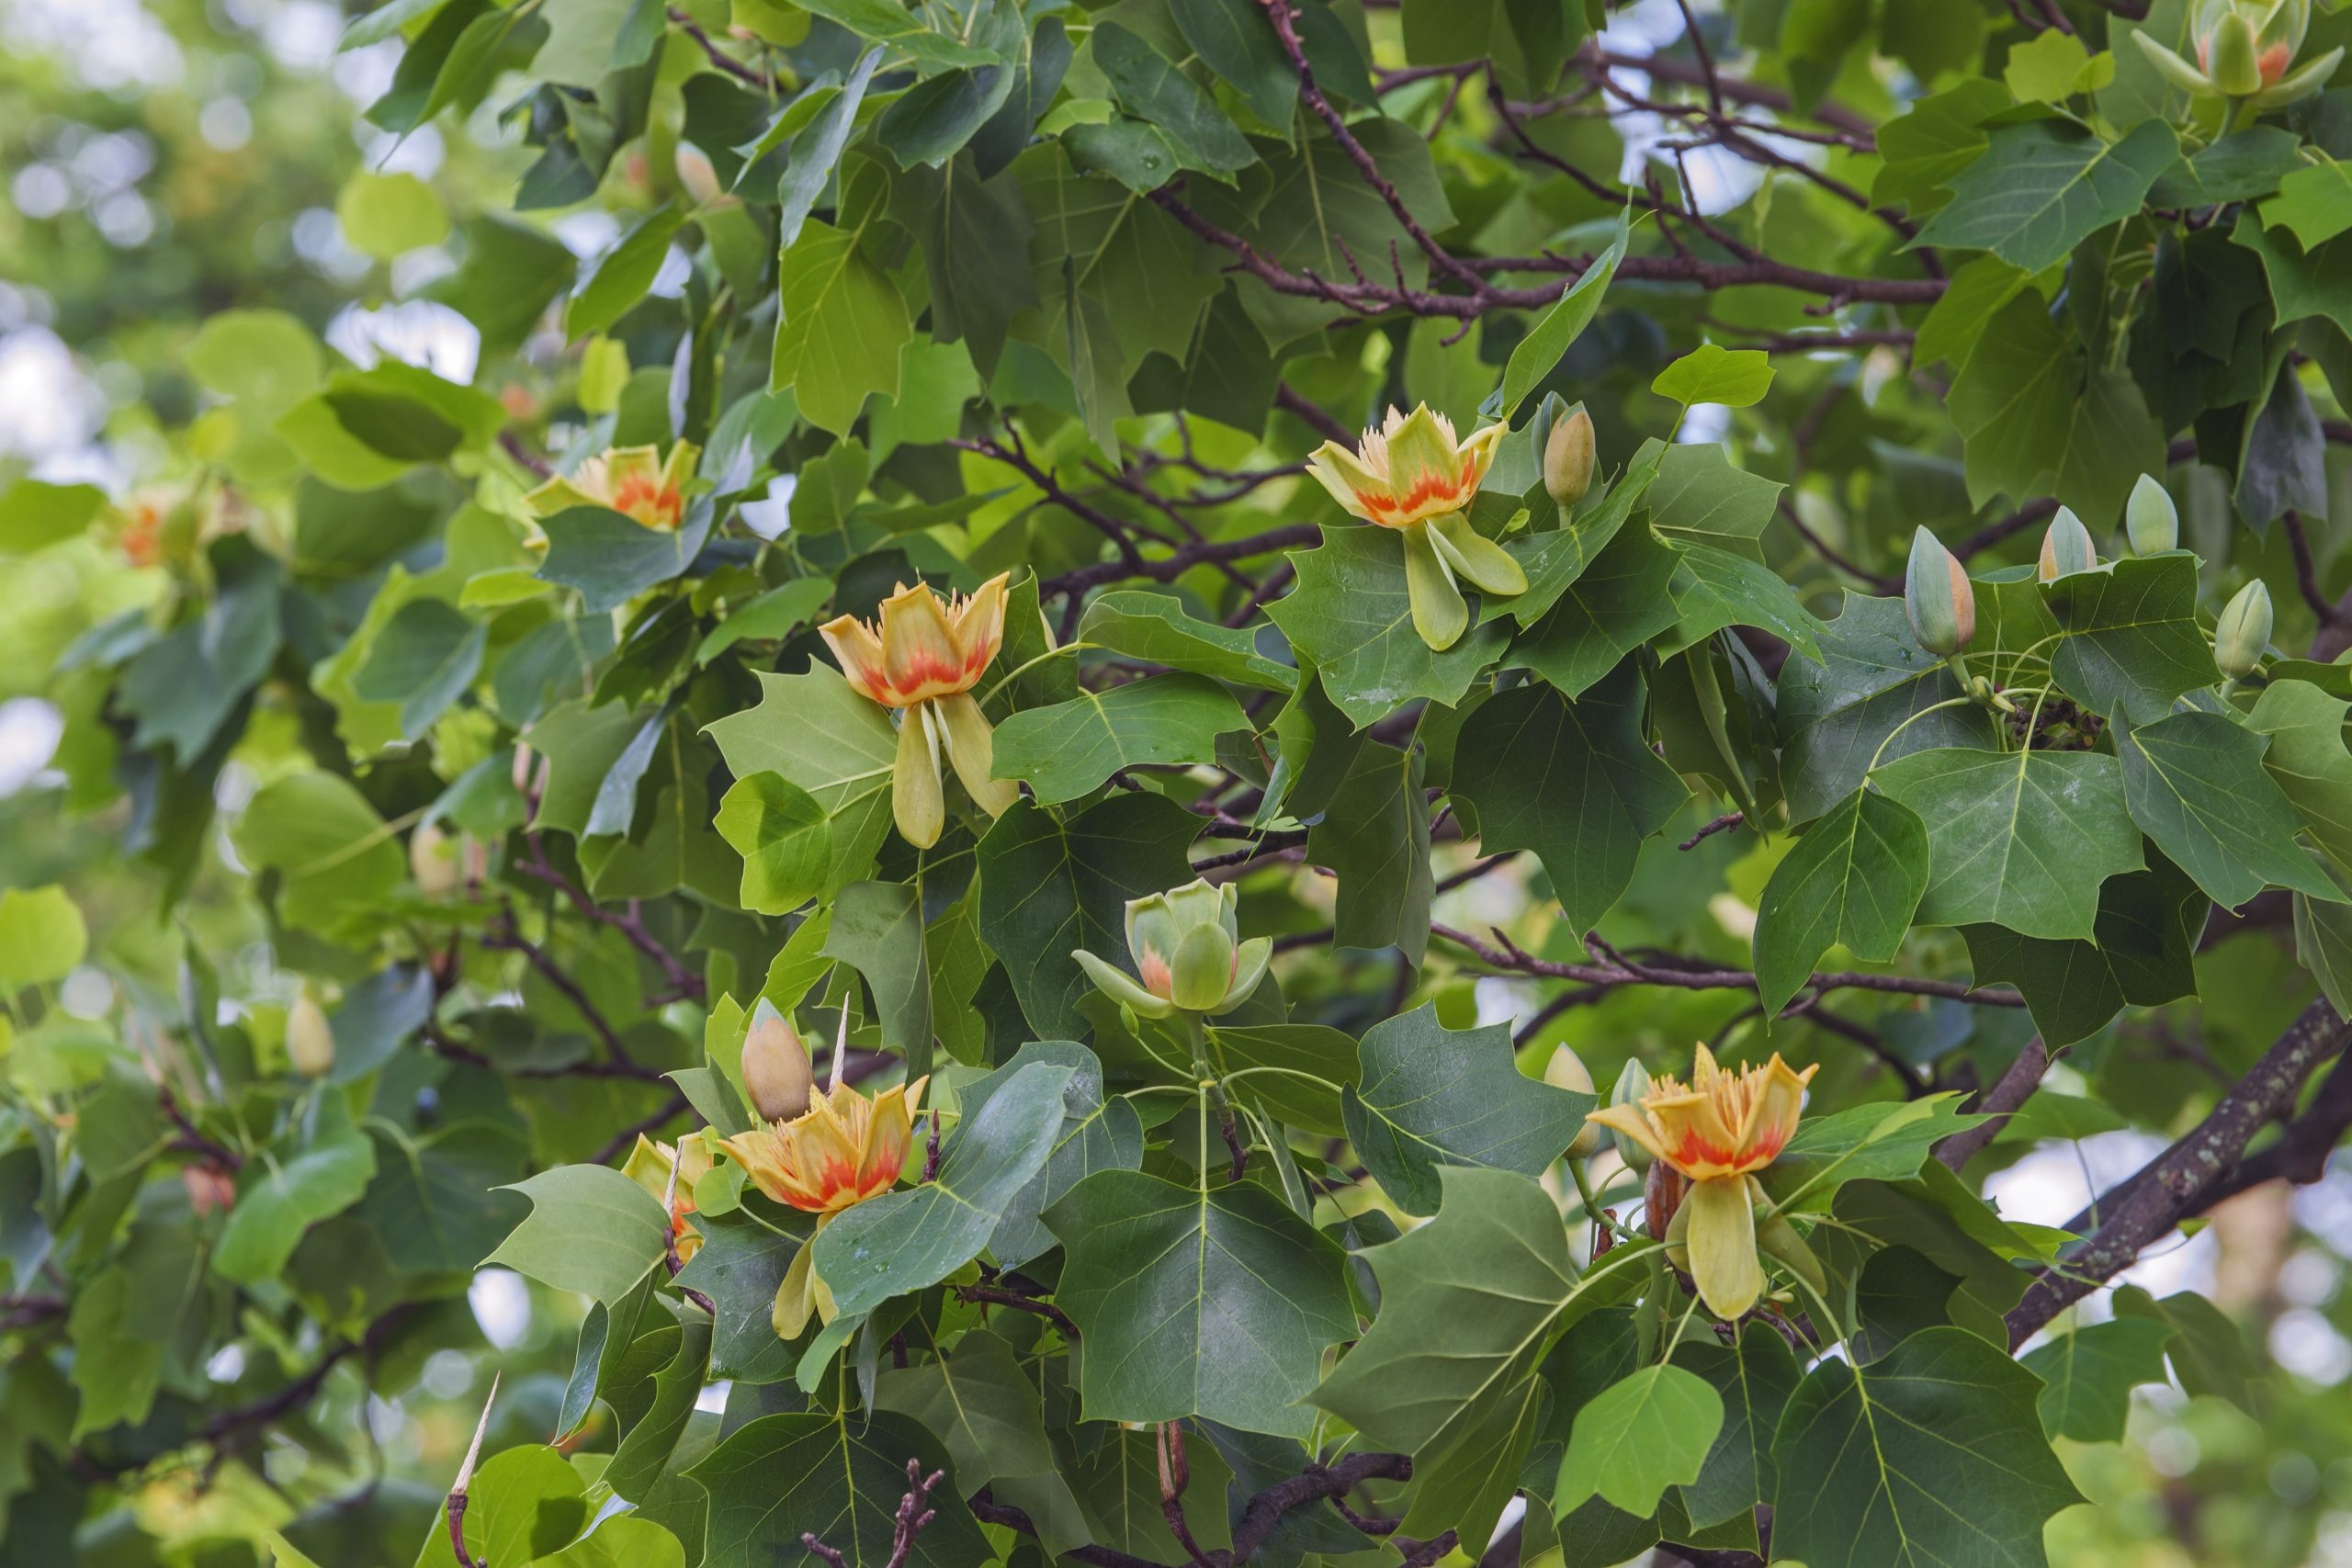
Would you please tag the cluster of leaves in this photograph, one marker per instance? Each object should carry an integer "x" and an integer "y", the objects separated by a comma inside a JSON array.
[{"x": 537, "y": 814}]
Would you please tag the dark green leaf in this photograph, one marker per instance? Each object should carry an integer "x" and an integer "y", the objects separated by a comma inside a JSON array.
[
  {"x": 2196, "y": 784},
  {"x": 1855, "y": 878}
]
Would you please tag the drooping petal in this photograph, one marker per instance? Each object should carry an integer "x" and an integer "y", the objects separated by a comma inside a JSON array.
[
  {"x": 1723, "y": 1263},
  {"x": 1249, "y": 962},
  {"x": 1440, "y": 612},
  {"x": 1484, "y": 564},
  {"x": 971, "y": 747},
  {"x": 800, "y": 1296},
  {"x": 917, "y": 800}
]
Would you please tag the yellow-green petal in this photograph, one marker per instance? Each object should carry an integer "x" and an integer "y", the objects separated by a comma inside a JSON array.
[
  {"x": 1722, "y": 1245},
  {"x": 1440, "y": 612}
]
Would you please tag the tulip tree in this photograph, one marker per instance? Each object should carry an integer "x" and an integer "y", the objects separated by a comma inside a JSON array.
[{"x": 1038, "y": 951}]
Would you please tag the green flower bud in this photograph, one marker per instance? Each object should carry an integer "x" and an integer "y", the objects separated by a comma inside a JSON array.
[
  {"x": 309, "y": 1038},
  {"x": 2244, "y": 631},
  {"x": 1188, "y": 954},
  {"x": 2230, "y": 56},
  {"x": 1569, "y": 453},
  {"x": 1938, "y": 598},
  {"x": 2149, "y": 519},
  {"x": 2066, "y": 548},
  {"x": 1566, "y": 1070},
  {"x": 775, "y": 1066},
  {"x": 1631, "y": 1085}
]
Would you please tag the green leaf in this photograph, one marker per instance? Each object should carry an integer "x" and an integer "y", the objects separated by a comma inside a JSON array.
[
  {"x": 785, "y": 840},
  {"x": 2088, "y": 1375},
  {"x": 1375, "y": 838},
  {"x": 1155, "y": 1271},
  {"x": 821, "y": 131},
  {"x": 838, "y": 1478},
  {"x": 35, "y": 515},
  {"x": 623, "y": 1541},
  {"x": 1349, "y": 615},
  {"x": 1753, "y": 1376},
  {"x": 1306, "y": 1051},
  {"x": 42, "y": 937},
  {"x": 1872, "y": 1460},
  {"x": 2314, "y": 203},
  {"x": 1234, "y": 39},
  {"x": 1639, "y": 1437},
  {"x": 2196, "y": 785},
  {"x": 1066, "y": 749},
  {"x": 2308, "y": 761},
  {"x": 1576, "y": 782},
  {"x": 2051, "y": 67},
  {"x": 1468, "y": 1304},
  {"x": 1557, "y": 560},
  {"x": 1856, "y": 879},
  {"x": 1157, "y": 629},
  {"x": 432, "y": 1204},
  {"x": 424, "y": 658},
  {"x": 1714, "y": 373},
  {"x": 336, "y": 857},
  {"x": 907, "y": 1241},
  {"x": 2021, "y": 839},
  {"x": 2242, "y": 165},
  {"x": 979, "y": 1403},
  {"x": 1712, "y": 589},
  {"x": 2040, "y": 189},
  {"x": 2132, "y": 640},
  {"x": 772, "y": 616},
  {"x": 522, "y": 1506},
  {"x": 623, "y": 274},
  {"x": 1187, "y": 119},
  {"x": 2142, "y": 953},
  {"x": 1699, "y": 498},
  {"x": 1933, "y": 142},
  {"x": 279, "y": 1200},
  {"x": 887, "y": 23},
  {"x": 2039, "y": 417},
  {"x": 1887, "y": 1141},
  {"x": 2208, "y": 1350},
  {"x": 591, "y": 1230},
  {"x": 842, "y": 322},
  {"x": 1049, "y": 886},
  {"x": 2302, "y": 283},
  {"x": 877, "y": 931},
  {"x": 1432, "y": 1097},
  {"x": 817, "y": 732},
  {"x": 1098, "y": 1132},
  {"x": 740, "y": 1266},
  {"x": 1548, "y": 342},
  {"x": 611, "y": 558},
  {"x": 1618, "y": 602},
  {"x": 1873, "y": 679}
]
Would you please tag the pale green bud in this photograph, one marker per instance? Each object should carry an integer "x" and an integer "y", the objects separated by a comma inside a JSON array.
[
  {"x": 2149, "y": 519},
  {"x": 2065, "y": 547},
  {"x": 1188, "y": 954},
  {"x": 777, "y": 1073},
  {"x": 2244, "y": 631},
  {"x": 1570, "y": 452},
  {"x": 1938, "y": 597},
  {"x": 1566, "y": 1070},
  {"x": 1633, "y": 1083},
  {"x": 309, "y": 1038}
]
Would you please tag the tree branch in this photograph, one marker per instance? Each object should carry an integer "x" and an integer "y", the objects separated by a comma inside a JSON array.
[{"x": 2012, "y": 1089}]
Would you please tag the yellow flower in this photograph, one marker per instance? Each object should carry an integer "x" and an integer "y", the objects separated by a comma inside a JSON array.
[
  {"x": 843, "y": 1150},
  {"x": 1413, "y": 476},
  {"x": 1718, "y": 1130},
  {"x": 650, "y": 1165},
  {"x": 922, "y": 656},
  {"x": 1409, "y": 470},
  {"x": 634, "y": 482}
]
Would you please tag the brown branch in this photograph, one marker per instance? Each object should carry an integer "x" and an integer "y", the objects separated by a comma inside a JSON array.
[
  {"x": 1822, "y": 548},
  {"x": 718, "y": 56},
  {"x": 1186, "y": 557},
  {"x": 1289, "y": 400},
  {"x": 914, "y": 1513},
  {"x": 998, "y": 1295},
  {"x": 682, "y": 978},
  {"x": 2012, "y": 1089},
  {"x": 2186, "y": 1178}
]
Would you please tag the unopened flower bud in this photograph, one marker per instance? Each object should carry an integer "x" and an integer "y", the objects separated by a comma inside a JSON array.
[
  {"x": 1566, "y": 1070},
  {"x": 1938, "y": 598},
  {"x": 2066, "y": 548},
  {"x": 310, "y": 1040},
  {"x": 775, "y": 1069},
  {"x": 1188, "y": 954},
  {"x": 1632, "y": 1086},
  {"x": 433, "y": 861},
  {"x": 1569, "y": 454},
  {"x": 2244, "y": 631},
  {"x": 2149, "y": 519}
]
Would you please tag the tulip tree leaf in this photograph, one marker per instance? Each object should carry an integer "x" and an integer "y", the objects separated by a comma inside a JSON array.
[
  {"x": 1638, "y": 1436},
  {"x": 1351, "y": 615},
  {"x": 611, "y": 558},
  {"x": 1099, "y": 1132},
  {"x": 2039, "y": 416},
  {"x": 1548, "y": 342},
  {"x": 2041, "y": 187},
  {"x": 1875, "y": 1462},
  {"x": 877, "y": 931},
  {"x": 1887, "y": 1141},
  {"x": 740, "y": 1265},
  {"x": 1755, "y": 1375},
  {"x": 1433, "y": 1096},
  {"x": 838, "y": 1478},
  {"x": 278, "y": 1201},
  {"x": 1854, "y": 878},
  {"x": 1714, "y": 373},
  {"x": 2142, "y": 953},
  {"x": 1375, "y": 838},
  {"x": 1049, "y": 886},
  {"x": 1576, "y": 782},
  {"x": 1468, "y": 1304},
  {"x": 2308, "y": 761},
  {"x": 1155, "y": 1271},
  {"x": 842, "y": 324},
  {"x": 785, "y": 840},
  {"x": 591, "y": 1229},
  {"x": 1157, "y": 629},
  {"x": 2020, "y": 838},
  {"x": 1068, "y": 749},
  {"x": 818, "y": 733},
  {"x": 2196, "y": 786},
  {"x": 1873, "y": 678},
  {"x": 2131, "y": 643},
  {"x": 2088, "y": 1376},
  {"x": 906, "y": 1241}
]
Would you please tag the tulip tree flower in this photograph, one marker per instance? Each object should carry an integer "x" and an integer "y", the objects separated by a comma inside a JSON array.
[
  {"x": 1413, "y": 476},
  {"x": 922, "y": 656},
  {"x": 669, "y": 1174},
  {"x": 2243, "y": 49},
  {"x": 1717, "y": 1131},
  {"x": 636, "y": 481},
  {"x": 1188, "y": 949},
  {"x": 843, "y": 1149}
]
